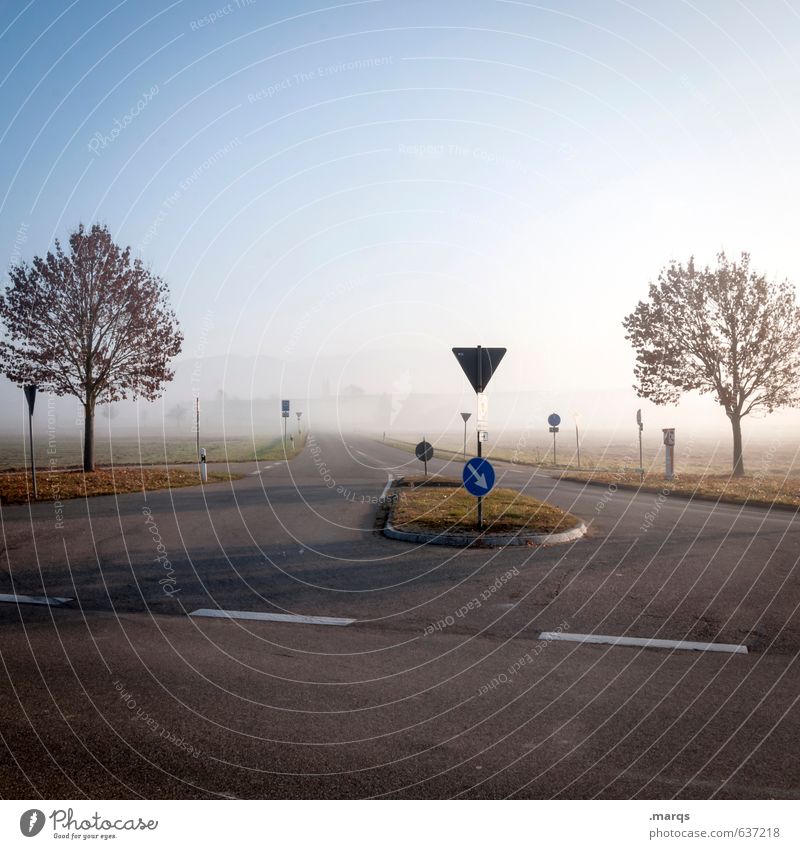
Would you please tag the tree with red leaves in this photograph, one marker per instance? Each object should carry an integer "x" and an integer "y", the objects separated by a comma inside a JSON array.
[
  {"x": 89, "y": 322},
  {"x": 724, "y": 330}
]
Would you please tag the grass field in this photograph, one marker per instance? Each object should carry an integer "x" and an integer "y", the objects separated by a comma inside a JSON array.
[
  {"x": 451, "y": 508},
  {"x": 16, "y": 487},
  {"x": 147, "y": 451},
  {"x": 762, "y": 490},
  {"x": 696, "y": 456}
]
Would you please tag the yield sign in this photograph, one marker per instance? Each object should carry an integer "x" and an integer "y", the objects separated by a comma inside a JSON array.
[
  {"x": 30, "y": 396},
  {"x": 479, "y": 364}
]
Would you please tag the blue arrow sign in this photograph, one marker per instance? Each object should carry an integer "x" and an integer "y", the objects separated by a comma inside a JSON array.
[
  {"x": 554, "y": 420},
  {"x": 478, "y": 476}
]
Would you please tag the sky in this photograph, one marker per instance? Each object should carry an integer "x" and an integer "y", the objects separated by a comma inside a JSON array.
[{"x": 358, "y": 187}]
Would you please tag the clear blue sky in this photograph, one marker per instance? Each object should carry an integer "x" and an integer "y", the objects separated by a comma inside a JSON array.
[{"x": 340, "y": 179}]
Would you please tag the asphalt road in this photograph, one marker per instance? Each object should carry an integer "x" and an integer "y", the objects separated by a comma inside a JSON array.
[{"x": 122, "y": 694}]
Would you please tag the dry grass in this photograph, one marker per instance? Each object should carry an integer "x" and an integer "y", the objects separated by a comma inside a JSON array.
[
  {"x": 16, "y": 488},
  {"x": 443, "y": 508},
  {"x": 760, "y": 490}
]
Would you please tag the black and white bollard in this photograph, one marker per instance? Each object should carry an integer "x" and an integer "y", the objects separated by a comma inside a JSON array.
[{"x": 203, "y": 467}]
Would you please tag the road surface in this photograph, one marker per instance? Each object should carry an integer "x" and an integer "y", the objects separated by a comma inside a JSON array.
[{"x": 441, "y": 687}]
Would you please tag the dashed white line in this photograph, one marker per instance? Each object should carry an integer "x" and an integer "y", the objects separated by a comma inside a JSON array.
[
  {"x": 271, "y": 617},
  {"x": 640, "y": 642},
  {"x": 50, "y": 601}
]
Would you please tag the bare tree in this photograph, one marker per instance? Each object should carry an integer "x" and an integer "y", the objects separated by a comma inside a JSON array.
[
  {"x": 727, "y": 331},
  {"x": 178, "y": 413},
  {"x": 89, "y": 322}
]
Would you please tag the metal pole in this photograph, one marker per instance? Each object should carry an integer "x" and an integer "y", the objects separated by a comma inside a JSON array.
[
  {"x": 197, "y": 407},
  {"x": 578, "y": 444},
  {"x": 480, "y": 451},
  {"x": 33, "y": 463},
  {"x": 555, "y": 459},
  {"x": 465, "y": 439},
  {"x": 641, "y": 462}
]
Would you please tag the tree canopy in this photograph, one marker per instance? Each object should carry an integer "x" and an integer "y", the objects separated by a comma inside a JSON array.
[
  {"x": 726, "y": 331},
  {"x": 89, "y": 321}
]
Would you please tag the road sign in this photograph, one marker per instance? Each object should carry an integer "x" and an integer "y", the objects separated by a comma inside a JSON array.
[
  {"x": 285, "y": 405},
  {"x": 483, "y": 436},
  {"x": 285, "y": 414},
  {"x": 424, "y": 451},
  {"x": 30, "y": 396},
  {"x": 554, "y": 420},
  {"x": 483, "y": 411},
  {"x": 669, "y": 435},
  {"x": 478, "y": 476},
  {"x": 639, "y": 419},
  {"x": 553, "y": 429},
  {"x": 466, "y": 417},
  {"x": 479, "y": 364}
]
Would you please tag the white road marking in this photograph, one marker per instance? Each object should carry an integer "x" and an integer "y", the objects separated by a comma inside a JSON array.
[
  {"x": 50, "y": 601},
  {"x": 262, "y": 469},
  {"x": 730, "y": 648},
  {"x": 386, "y": 488},
  {"x": 271, "y": 617}
]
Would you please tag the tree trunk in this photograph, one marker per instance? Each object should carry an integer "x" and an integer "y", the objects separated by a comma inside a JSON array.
[
  {"x": 738, "y": 460},
  {"x": 88, "y": 436}
]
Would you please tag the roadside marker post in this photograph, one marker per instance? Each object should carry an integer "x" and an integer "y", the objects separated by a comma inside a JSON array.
[
  {"x": 203, "y": 467},
  {"x": 298, "y": 423},
  {"x": 479, "y": 364},
  {"x": 30, "y": 397},
  {"x": 669, "y": 459}
]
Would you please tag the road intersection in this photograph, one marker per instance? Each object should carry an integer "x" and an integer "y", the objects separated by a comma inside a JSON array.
[{"x": 442, "y": 684}]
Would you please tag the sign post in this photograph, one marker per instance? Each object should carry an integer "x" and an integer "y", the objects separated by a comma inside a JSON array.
[
  {"x": 197, "y": 424},
  {"x": 641, "y": 461},
  {"x": 479, "y": 364},
  {"x": 424, "y": 452},
  {"x": 30, "y": 396},
  {"x": 466, "y": 417},
  {"x": 554, "y": 420},
  {"x": 284, "y": 415},
  {"x": 577, "y": 441},
  {"x": 669, "y": 442}
]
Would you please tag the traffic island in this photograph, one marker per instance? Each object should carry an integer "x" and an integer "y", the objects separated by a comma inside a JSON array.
[{"x": 442, "y": 512}]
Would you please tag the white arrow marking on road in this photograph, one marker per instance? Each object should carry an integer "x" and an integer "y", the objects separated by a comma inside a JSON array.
[{"x": 480, "y": 478}]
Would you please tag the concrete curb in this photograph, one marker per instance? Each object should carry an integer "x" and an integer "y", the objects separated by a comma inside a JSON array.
[
  {"x": 484, "y": 540},
  {"x": 480, "y": 540}
]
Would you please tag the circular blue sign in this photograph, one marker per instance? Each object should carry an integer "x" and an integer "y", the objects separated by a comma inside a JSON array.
[
  {"x": 554, "y": 420},
  {"x": 478, "y": 476}
]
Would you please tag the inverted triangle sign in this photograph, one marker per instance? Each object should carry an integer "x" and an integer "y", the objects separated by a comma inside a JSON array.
[{"x": 479, "y": 364}]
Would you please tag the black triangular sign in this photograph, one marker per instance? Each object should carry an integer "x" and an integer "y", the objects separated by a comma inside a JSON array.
[
  {"x": 479, "y": 369},
  {"x": 30, "y": 396}
]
